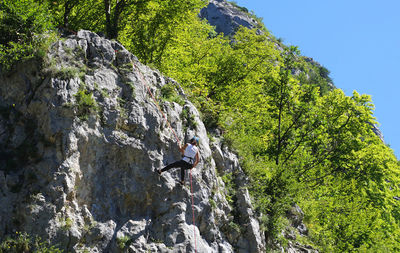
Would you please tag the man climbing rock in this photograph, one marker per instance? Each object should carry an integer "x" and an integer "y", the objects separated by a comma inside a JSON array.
[{"x": 190, "y": 152}]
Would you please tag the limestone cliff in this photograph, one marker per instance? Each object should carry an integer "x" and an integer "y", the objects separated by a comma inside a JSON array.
[{"x": 80, "y": 138}]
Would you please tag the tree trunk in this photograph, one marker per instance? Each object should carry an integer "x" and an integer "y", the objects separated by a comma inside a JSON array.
[
  {"x": 278, "y": 152},
  {"x": 107, "y": 10},
  {"x": 69, "y": 4},
  {"x": 115, "y": 22},
  {"x": 112, "y": 17}
]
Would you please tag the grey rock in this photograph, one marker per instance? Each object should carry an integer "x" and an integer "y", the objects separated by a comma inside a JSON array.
[
  {"x": 225, "y": 17},
  {"x": 378, "y": 132},
  {"x": 251, "y": 240},
  {"x": 3, "y": 184},
  {"x": 296, "y": 216},
  {"x": 298, "y": 248},
  {"x": 101, "y": 235}
]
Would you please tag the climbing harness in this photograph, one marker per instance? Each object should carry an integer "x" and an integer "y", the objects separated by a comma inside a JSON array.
[
  {"x": 177, "y": 139},
  {"x": 191, "y": 159}
]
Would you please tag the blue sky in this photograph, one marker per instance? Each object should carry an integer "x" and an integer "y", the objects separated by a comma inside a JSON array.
[{"x": 358, "y": 41}]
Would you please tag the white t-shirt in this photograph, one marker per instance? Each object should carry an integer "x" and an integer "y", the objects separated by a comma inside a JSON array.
[{"x": 190, "y": 153}]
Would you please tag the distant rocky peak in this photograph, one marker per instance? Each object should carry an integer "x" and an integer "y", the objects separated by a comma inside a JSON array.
[{"x": 227, "y": 17}]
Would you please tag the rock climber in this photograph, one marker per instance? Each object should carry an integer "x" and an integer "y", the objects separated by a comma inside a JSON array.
[{"x": 190, "y": 159}]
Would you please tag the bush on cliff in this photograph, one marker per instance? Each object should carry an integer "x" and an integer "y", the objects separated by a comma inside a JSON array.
[{"x": 21, "y": 242}]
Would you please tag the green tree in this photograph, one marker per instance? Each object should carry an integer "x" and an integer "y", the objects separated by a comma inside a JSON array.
[
  {"x": 22, "y": 24},
  {"x": 357, "y": 213},
  {"x": 74, "y": 15},
  {"x": 192, "y": 54},
  {"x": 151, "y": 25},
  {"x": 62, "y": 11}
]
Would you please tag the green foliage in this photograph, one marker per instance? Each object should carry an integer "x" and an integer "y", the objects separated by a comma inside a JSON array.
[
  {"x": 74, "y": 14},
  {"x": 243, "y": 9},
  {"x": 22, "y": 242},
  {"x": 23, "y": 25},
  {"x": 212, "y": 203},
  {"x": 169, "y": 93},
  {"x": 188, "y": 118},
  {"x": 293, "y": 140},
  {"x": 358, "y": 213},
  {"x": 314, "y": 74},
  {"x": 56, "y": 66},
  {"x": 85, "y": 103},
  {"x": 234, "y": 226},
  {"x": 230, "y": 187},
  {"x": 123, "y": 241},
  {"x": 150, "y": 26},
  {"x": 67, "y": 72},
  {"x": 22, "y": 20},
  {"x": 67, "y": 224},
  {"x": 192, "y": 58}
]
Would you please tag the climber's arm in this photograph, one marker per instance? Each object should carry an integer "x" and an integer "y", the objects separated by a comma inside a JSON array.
[
  {"x": 197, "y": 159},
  {"x": 182, "y": 149}
]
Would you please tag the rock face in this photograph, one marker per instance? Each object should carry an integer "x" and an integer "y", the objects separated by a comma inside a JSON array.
[
  {"x": 228, "y": 163},
  {"x": 79, "y": 143},
  {"x": 225, "y": 17},
  {"x": 378, "y": 132}
]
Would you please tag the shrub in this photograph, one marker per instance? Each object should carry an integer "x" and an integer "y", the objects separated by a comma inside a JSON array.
[
  {"x": 212, "y": 203},
  {"x": 230, "y": 187},
  {"x": 22, "y": 242},
  {"x": 123, "y": 241},
  {"x": 86, "y": 104},
  {"x": 243, "y": 9},
  {"x": 189, "y": 119},
  {"x": 22, "y": 28},
  {"x": 169, "y": 93}
]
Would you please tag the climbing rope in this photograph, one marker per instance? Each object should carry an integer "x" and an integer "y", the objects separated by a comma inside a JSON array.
[
  {"x": 194, "y": 224},
  {"x": 177, "y": 139},
  {"x": 156, "y": 103}
]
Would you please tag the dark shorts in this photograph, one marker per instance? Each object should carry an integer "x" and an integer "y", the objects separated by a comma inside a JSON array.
[{"x": 179, "y": 164}]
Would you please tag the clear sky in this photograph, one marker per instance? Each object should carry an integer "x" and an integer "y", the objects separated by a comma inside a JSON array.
[{"x": 357, "y": 40}]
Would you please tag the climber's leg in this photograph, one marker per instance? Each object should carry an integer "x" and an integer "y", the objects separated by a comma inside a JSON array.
[
  {"x": 185, "y": 166},
  {"x": 170, "y": 166},
  {"x": 182, "y": 174},
  {"x": 178, "y": 164}
]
